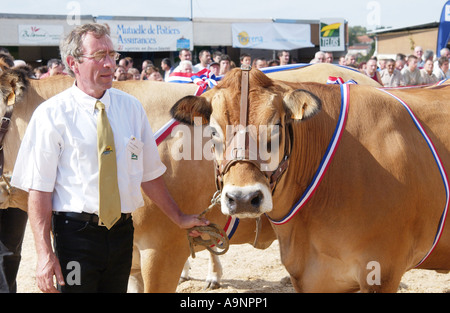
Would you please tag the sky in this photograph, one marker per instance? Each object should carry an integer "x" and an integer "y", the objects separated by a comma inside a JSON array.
[{"x": 367, "y": 13}]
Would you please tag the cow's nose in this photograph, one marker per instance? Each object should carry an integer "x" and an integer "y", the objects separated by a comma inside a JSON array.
[{"x": 239, "y": 202}]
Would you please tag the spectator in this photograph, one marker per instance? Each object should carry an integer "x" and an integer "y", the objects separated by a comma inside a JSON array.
[
  {"x": 225, "y": 64},
  {"x": 442, "y": 71},
  {"x": 418, "y": 52},
  {"x": 134, "y": 72},
  {"x": 216, "y": 56},
  {"x": 148, "y": 71},
  {"x": 119, "y": 73},
  {"x": 319, "y": 57},
  {"x": 185, "y": 66},
  {"x": 184, "y": 54},
  {"x": 55, "y": 67},
  {"x": 283, "y": 57},
  {"x": 273, "y": 62},
  {"x": 130, "y": 62},
  {"x": 205, "y": 58},
  {"x": 371, "y": 70},
  {"x": 155, "y": 75},
  {"x": 214, "y": 67},
  {"x": 427, "y": 73},
  {"x": 259, "y": 63},
  {"x": 245, "y": 59},
  {"x": 411, "y": 73},
  {"x": 342, "y": 60},
  {"x": 399, "y": 64},
  {"x": 390, "y": 76},
  {"x": 125, "y": 64},
  {"x": 445, "y": 52},
  {"x": 381, "y": 64},
  {"x": 39, "y": 71},
  {"x": 329, "y": 57},
  {"x": 166, "y": 66},
  {"x": 350, "y": 60},
  {"x": 146, "y": 63},
  {"x": 400, "y": 61}
]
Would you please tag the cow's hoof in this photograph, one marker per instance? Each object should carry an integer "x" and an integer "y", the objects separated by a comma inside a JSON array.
[{"x": 212, "y": 285}]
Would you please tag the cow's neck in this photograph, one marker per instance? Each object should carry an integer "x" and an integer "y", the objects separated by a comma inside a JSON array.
[{"x": 311, "y": 139}]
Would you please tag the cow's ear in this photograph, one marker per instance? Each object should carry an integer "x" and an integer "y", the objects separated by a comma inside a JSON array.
[
  {"x": 301, "y": 104},
  {"x": 192, "y": 110}
]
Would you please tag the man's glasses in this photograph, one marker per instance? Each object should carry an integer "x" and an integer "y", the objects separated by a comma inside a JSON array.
[{"x": 101, "y": 55}]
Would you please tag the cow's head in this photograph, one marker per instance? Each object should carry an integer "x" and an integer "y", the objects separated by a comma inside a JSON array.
[{"x": 250, "y": 131}]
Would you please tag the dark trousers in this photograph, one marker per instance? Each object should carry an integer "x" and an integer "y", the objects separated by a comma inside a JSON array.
[
  {"x": 12, "y": 229},
  {"x": 93, "y": 258}
]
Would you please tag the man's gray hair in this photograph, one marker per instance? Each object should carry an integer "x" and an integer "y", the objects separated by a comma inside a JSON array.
[{"x": 72, "y": 44}]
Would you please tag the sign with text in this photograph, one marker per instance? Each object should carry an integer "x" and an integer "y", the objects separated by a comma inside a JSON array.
[
  {"x": 150, "y": 35},
  {"x": 274, "y": 36},
  {"x": 332, "y": 34},
  {"x": 40, "y": 35}
]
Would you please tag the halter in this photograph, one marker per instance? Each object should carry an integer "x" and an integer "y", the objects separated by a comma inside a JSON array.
[{"x": 237, "y": 145}]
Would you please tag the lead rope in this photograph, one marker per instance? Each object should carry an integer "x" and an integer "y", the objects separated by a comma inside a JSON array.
[{"x": 217, "y": 236}]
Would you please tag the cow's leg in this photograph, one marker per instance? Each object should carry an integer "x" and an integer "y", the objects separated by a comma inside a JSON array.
[
  {"x": 185, "y": 273},
  {"x": 214, "y": 272},
  {"x": 161, "y": 268},
  {"x": 135, "y": 283}
]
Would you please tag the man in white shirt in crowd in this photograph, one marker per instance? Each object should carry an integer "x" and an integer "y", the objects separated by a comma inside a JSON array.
[
  {"x": 205, "y": 59},
  {"x": 58, "y": 165}
]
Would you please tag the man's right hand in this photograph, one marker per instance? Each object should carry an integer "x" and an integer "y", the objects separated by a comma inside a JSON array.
[{"x": 47, "y": 267}]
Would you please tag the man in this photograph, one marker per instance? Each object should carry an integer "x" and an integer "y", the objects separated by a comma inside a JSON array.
[
  {"x": 442, "y": 70},
  {"x": 184, "y": 54},
  {"x": 427, "y": 74},
  {"x": 390, "y": 76},
  {"x": 371, "y": 70},
  {"x": 55, "y": 67},
  {"x": 59, "y": 165},
  {"x": 418, "y": 52},
  {"x": 225, "y": 64},
  {"x": 283, "y": 57},
  {"x": 329, "y": 58},
  {"x": 411, "y": 74},
  {"x": 205, "y": 58}
]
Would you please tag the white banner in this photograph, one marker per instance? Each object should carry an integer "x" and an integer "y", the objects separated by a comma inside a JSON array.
[
  {"x": 332, "y": 34},
  {"x": 272, "y": 36},
  {"x": 40, "y": 35},
  {"x": 150, "y": 35}
]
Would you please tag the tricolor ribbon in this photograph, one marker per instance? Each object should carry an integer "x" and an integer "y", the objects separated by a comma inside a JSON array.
[
  {"x": 326, "y": 160},
  {"x": 204, "y": 79},
  {"x": 441, "y": 168}
]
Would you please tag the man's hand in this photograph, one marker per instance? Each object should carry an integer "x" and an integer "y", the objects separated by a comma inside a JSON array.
[
  {"x": 47, "y": 267},
  {"x": 189, "y": 221}
]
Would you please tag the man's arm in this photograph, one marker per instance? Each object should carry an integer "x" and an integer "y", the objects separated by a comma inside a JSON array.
[
  {"x": 40, "y": 217},
  {"x": 157, "y": 191}
]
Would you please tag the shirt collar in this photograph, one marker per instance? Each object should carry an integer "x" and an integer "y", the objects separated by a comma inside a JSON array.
[{"x": 87, "y": 102}]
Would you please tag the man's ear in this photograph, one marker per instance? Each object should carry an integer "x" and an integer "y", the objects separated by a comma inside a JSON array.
[
  {"x": 301, "y": 104},
  {"x": 73, "y": 65}
]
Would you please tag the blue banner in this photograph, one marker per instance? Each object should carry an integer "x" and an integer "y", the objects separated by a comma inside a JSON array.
[{"x": 444, "y": 29}]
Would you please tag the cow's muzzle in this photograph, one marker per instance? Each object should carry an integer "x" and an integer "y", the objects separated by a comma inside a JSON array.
[{"x": 246, "y": 202}]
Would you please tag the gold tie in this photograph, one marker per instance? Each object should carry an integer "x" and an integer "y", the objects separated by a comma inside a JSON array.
[{"x": 109, "y": 207}]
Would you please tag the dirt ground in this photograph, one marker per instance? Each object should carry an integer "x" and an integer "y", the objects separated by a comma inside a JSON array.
[{"x": 245, "y": 269}]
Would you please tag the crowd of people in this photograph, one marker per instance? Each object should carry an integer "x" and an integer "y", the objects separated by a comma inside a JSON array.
[{"x": 419, "y": 68}]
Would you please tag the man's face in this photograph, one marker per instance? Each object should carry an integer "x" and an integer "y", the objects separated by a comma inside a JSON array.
[
  {"x": 94, "y": 76},
  {"x": 185, "y": 55},
  {"x": 285, "y": 57},
  {"x": 390, "y": 67}
]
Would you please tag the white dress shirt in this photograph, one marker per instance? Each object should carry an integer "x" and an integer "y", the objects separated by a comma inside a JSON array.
[{"x": 59, "y": 150}]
